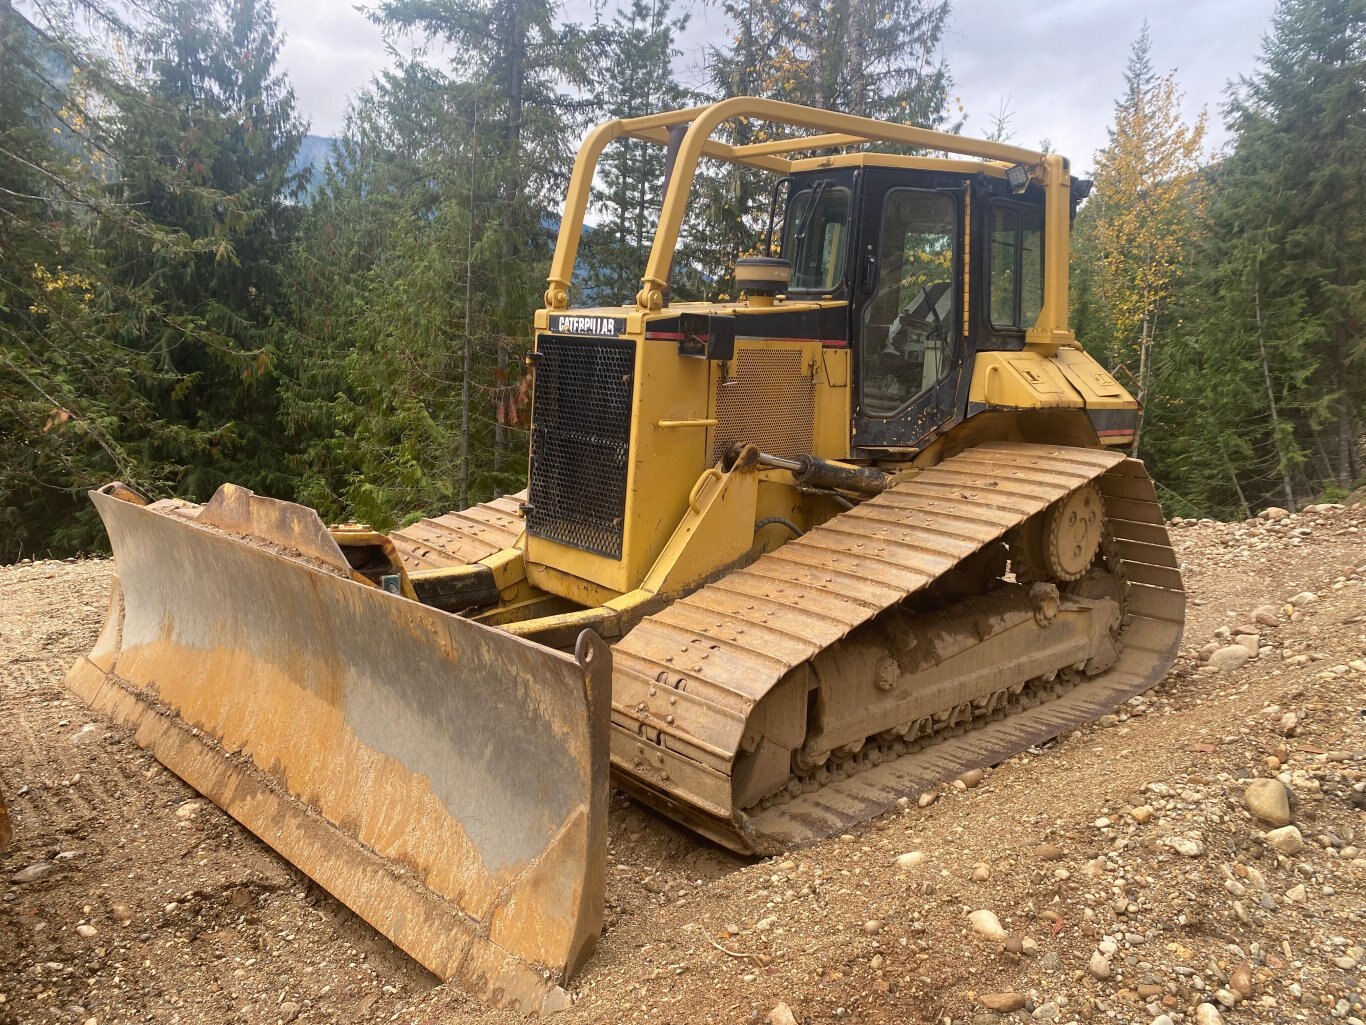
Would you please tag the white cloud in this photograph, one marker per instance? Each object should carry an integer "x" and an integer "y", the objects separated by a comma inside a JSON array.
[
  {"x": 1061, "y": 65},
  {"x": 331, "y": 51}
]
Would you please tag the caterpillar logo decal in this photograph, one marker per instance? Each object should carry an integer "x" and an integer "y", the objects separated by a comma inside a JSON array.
[{"x": 578, "y": 324}]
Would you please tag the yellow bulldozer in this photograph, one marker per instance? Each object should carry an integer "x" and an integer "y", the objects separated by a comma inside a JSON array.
[{"x": 781, "y": 561}]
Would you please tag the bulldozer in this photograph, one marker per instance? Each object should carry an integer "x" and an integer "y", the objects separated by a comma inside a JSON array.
[{"x": 782, "y": 560}]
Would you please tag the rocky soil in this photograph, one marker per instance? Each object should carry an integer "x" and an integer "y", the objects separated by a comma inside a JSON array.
[{"x": 1198, "y": 856}]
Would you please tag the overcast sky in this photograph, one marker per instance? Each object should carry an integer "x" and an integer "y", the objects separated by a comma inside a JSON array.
[{"x": 1061, "y": 64}]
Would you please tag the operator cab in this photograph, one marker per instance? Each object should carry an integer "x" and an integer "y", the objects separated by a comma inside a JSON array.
[{"x": 935, "y": 266}]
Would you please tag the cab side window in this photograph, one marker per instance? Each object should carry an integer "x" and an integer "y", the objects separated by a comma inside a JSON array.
[
  {"x": 1016, "y": 274},
  {"x": 815, "y": 243}
]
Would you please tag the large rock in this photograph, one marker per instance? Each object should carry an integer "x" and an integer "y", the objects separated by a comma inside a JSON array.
[
  {"x": 1286, "y": 839},
  {"x": 1099, "y": 965},
  {"x": 1269, "y": 800},
  {"x": 1266, "y": 615},
  {"x": 987, "y": 925},
  {"x": 1004, "y": 1003},
  {"x": 33, "y": 872},
  {"x": 1232, "y": 656}
]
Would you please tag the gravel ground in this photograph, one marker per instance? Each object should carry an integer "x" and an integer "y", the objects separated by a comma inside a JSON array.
[{"x": 1130, "y": 872}]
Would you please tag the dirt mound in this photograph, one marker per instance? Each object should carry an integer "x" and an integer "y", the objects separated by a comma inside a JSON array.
[{"x": 1124, "y": 869}]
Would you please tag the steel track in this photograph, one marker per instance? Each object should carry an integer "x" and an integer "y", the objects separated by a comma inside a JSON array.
[{"x": 686, "y": 679}]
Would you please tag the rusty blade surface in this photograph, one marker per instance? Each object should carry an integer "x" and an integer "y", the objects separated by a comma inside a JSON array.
[{"x": 446, "y": 781}]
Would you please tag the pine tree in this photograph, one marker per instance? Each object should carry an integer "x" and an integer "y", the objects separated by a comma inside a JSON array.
[
  {"x": 1267, "y": 391},
  {"x": 1229, "y": 386},
  {"x": 637, "y": 79},
  {"x": 77, "y": 395},
  {"x": 513, "y": 63},
  {"x": 873, "y": 58},
  {"x": 386, "y": 283},
  {"x": 1296, "y": 182},
  {"x": 212, "y": 149}
]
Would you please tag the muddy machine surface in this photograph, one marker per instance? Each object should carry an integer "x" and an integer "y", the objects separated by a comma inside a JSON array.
[{"x": 780, "y": 561}]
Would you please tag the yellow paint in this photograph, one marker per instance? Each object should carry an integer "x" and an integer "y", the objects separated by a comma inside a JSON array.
[
  {"x": 1020, "y": 380},
  {"x": 1050, "y": 332},
  {"x": 1092, "y": 381},
  {"x": 715, "y": 531},
  {"x": 1050, "y": 170},
  {"x": 834, "y": 404},
  {"x": 683, "y": 519}
]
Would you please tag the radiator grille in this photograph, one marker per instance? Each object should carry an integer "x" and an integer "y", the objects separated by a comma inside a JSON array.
[
  {"x": 580, "y": 441},
  {"x": 768, "y": 403}
]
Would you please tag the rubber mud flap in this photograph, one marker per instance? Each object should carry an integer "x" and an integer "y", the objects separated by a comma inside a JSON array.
[{"x": 444, "y": 780}]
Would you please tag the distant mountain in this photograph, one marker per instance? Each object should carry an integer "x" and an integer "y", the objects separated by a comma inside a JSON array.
[{"x": 314, "y": 153}]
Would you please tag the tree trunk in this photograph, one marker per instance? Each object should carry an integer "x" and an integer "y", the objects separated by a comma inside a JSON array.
[
  {"x": 1347, "y": 468},
  {"x": 1144, "y": 349},
  {"x": 516, "y": 85},
  {"x": 858, "y": 58},
  {"x": 1282, "y": 460},
  {"x": 1323, "y": 462},
  {"x": 500, "y": 431},
  {"x": 1238, "y": 488},
  {"x": 6, "y": 21},
  {"x": 468, "y": 370}
]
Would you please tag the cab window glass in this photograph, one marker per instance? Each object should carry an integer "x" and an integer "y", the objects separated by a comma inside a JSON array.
[
  {"x": 1031, "y": 266},
  {"x": 908, "y": 324},
  {"x": 815, "y": 238},
  {"x": 1016, "y": 295}
]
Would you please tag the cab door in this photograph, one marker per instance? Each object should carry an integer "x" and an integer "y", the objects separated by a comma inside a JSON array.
[{"x": 907, "y": 312}]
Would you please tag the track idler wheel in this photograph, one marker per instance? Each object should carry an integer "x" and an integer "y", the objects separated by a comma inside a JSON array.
[{"x": 1060, "y": 544}]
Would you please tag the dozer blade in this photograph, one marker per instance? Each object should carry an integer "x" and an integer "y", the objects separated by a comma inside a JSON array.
[{"x": 446, "y": 781}]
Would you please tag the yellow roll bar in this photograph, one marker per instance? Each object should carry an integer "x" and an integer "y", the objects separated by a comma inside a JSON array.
[{"x": 838, "y": 130}]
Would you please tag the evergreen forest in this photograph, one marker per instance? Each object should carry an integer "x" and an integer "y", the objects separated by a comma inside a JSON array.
[{"x": 185, "y": 302}]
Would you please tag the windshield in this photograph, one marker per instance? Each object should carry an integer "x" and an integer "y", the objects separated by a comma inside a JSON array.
[
  {"x": 908, "y": 324},
  {"x": 815, "y": 237}
]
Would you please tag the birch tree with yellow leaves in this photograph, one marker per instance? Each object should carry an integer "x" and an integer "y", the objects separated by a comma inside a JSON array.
[{"x": 1135, "y": 232}]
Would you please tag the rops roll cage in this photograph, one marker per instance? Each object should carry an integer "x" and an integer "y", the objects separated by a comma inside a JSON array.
[{"x": 687, "y": 135}]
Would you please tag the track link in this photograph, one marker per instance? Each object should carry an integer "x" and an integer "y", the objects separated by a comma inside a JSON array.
[
  {"x": 688, "y": 679},
  {"x": 459, "y": 538}
]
